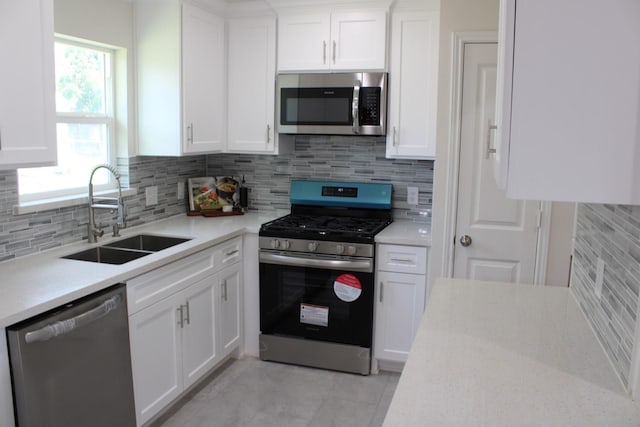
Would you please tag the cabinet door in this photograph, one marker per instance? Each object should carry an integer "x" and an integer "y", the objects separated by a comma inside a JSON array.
[
  {"x": 203, "y": 81},
  {"x": 413, "y": 85},
  {"x": 199, "y": 343},
  {"x": 27, "y": 103},
  {"x": 358, "y": 40},
  {"x": 156, "y": 357},
  {"x": 399, "y": 308},
  {"x": 575, "y": 100},
  {"x": 230, "y": 311},
  {"x": 251, "y": 66},
  {"x": 303, "y": 42}
]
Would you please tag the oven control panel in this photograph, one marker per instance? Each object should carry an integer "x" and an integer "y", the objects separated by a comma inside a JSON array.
[{"x": 319, "y": 247}]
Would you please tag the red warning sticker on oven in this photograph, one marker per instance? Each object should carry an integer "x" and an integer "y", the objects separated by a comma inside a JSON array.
[
  {"x": 314, "y": 314},
  {"x": 347, "y": 287}
]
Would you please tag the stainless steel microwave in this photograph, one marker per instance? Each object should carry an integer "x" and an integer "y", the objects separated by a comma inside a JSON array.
[{"x": 332, "y": 104}]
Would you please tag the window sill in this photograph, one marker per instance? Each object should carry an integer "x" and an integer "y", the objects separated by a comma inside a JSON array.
[{"x": 65, "y": 202}]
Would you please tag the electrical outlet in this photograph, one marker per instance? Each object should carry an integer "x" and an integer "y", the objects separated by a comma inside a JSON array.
[
  {"x": 151, "y": 196},
  {"x": 180, "y": 190},
  {"x": 412, "y": 196},
  {"x": 599, "y": 277}
]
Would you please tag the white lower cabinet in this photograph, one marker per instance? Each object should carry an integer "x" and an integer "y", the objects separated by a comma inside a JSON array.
[
  {"x": 230, "y": 280},
  {"x": 178, "y": 339},
  {"x": 401, "y": 296}
]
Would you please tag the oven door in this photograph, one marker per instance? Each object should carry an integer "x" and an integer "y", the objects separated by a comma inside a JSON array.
[{"x": 317, "y": 297}]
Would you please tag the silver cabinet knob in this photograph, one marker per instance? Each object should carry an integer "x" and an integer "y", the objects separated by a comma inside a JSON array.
[{"x": 465, "y": 240}]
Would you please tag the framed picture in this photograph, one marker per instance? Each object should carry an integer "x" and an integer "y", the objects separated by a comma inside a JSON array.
[{"x": 210, "y": 193}]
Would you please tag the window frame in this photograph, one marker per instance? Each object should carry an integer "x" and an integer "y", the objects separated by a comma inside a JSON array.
[{"x": 108, "y": 119}]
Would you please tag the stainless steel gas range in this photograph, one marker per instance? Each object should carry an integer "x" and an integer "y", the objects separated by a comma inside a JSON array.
[{"x": 317, "y": 275}]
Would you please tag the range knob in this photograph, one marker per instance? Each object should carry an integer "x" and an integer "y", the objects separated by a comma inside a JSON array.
[
  {"x": 286, "y": 244},
  {"x": 275, "y": 244},
  {"x": 313, "y": 246},
  {"x": 351, "y": 250},
  {"x": 340, "y": 249}
]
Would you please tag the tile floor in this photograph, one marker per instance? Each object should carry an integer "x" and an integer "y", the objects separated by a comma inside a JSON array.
[{"x": 250, "y": 392}]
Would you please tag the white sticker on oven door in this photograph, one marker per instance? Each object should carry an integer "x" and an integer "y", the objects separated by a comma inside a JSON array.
[
  {"x": 314, "y": 314},
  {"x": 347, "y": 287}
]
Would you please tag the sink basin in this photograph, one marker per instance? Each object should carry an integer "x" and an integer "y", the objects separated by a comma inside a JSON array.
[
  {"x": 106, "y": 255},
  {"x": 146, "y": 242},
  {"x": 126, "y": 250}
]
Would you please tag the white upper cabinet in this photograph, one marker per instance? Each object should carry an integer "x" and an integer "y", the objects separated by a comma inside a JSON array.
[
  {"x": 203, "y": 80},
  {"x": 27, "y": 87},
  {"x": 340, "y": 40},
  {"x": 413, "y": 85},
  {"x": 251, "y": 71},
  {"x": 181, "y": 78},
  {"x": 569, "y": 100}
]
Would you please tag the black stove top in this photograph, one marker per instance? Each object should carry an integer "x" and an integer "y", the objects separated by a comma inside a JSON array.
[{"x": 323, "y": 227}]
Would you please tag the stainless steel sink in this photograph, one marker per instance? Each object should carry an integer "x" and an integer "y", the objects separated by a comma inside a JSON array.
[
  {"x": 107, "y": 255},
  {"x": 128, "y": 249},
  {"x": 146, "y": 242}
]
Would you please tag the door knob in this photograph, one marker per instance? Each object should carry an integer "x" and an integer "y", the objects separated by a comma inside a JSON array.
[{"x": 465, "y": 240}]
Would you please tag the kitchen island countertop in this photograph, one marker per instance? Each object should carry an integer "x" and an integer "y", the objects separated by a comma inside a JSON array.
[{"x": 496, "y": 354}]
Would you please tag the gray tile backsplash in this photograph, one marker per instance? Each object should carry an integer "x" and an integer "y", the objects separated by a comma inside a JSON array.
[
  {"x": 29, "y": 233},
  {"x": 268, "y": 177},
  {"x": 611, "y": 233},
  {"x": 330, "y": 158}
]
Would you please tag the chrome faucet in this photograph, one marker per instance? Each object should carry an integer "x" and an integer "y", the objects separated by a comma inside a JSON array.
[{"x": 110, "y": 203}]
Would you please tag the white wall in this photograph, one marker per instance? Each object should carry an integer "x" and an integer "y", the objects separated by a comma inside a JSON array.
[
  {"x": 560, "y": 243},
  {"x": 455, "y": 16}
]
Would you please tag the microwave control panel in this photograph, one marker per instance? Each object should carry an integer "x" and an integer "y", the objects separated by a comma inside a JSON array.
[{"x": 369, "y": 105}]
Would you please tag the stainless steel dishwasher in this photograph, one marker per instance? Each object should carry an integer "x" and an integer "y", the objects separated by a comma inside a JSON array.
[{"x": 71, "y": 366}]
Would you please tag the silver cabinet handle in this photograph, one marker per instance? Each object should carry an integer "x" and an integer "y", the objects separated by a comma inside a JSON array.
[
  {"x": 233, "y": 252},
  {"x": 402, "y": 260},
  {"x": 381, "y": 287},
  {"x": 393, "y": 138},
  {"x": 188, "y": 319},
  {"x": 490, "y": 150},
  {"x": 224, "y": 289},
  {"x": 63, "y": 327},
  {"x": 268, "y": 134},
  {"x": 190, "y": 133},
  {"x": 324, "y": 51},
  {"x": 355, "y": 108},
  {"x": 180, "y": 316},
  {"x": 334, "y": 52}
]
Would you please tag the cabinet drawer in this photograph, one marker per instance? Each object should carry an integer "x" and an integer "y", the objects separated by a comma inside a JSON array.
[
  {"x": 228, "y": 253},
  {"x": 402, "y": 259},
  {"x": 149, "y": 288}
]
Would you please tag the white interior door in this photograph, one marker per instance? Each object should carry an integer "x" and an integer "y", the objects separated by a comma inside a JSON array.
[{"x": 496, "y": 238}]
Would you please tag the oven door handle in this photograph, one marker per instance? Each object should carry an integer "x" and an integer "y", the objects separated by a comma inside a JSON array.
[{"x": 365, "y": 265}]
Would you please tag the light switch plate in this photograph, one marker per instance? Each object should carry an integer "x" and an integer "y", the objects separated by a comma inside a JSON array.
[
  {"x": 151, "y": 195},
  {"x": 599, "y": 277},
  {"x": 180, "y": 190},
  {"x": 412, "y": 196}
]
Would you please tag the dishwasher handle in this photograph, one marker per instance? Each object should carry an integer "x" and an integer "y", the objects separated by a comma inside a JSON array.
[{"x": 63, "y": 327}]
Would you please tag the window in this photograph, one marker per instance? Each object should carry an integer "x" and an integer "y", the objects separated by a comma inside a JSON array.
[{"x": 84, "y": 124}]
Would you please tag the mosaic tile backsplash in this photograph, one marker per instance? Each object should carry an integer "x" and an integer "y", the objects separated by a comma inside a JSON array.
[
  {"x": 611, "y": 233},
  {"x": 268, "y": 178},
  {"x": 333, "y": 159}
]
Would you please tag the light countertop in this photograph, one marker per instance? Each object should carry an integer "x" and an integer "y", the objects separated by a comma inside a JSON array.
[
  {"x": 405, "y": 232},
  {"x": 36, "y": 283},
  {"x": 494, "y": 354}
]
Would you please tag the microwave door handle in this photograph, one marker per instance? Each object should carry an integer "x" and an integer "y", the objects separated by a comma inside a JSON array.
[{"x": 355, "y": 109}]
